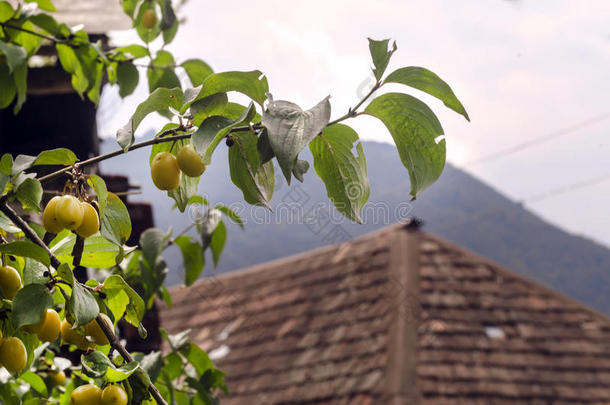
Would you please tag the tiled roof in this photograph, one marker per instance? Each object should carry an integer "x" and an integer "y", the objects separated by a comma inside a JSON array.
[
  {"x": 98, "y": 16},
  {"x": 394, "y": 317}
]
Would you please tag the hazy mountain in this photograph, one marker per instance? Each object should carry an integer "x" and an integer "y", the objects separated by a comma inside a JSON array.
[{"x": 458, "y": 207}]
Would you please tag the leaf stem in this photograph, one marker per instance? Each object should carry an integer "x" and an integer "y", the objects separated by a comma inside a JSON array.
[{"x": 352, "y": 112}]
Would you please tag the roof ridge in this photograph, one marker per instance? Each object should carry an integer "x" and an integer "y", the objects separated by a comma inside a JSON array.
[
  {"x": 514, "y": 274},
  {"x": 269, "y": 265}
]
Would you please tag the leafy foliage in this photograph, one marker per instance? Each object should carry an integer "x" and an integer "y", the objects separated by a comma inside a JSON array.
[{"x": 40, "y": 265}]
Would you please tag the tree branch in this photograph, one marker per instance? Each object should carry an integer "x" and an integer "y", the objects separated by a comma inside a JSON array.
[
  {"x": 107, "y": 329},
  {"x": 159, "y": 139},
  {"x": 352, "y": 112}
]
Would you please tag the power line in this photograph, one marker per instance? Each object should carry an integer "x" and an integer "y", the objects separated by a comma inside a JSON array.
[
  {"x": 537, "y": 141},
  {"x": 566, "y": 189},
  {"x": 535, "y": 198}
]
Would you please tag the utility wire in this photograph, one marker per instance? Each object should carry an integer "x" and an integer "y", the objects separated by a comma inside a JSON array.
[{"x": 537, "y": 141}]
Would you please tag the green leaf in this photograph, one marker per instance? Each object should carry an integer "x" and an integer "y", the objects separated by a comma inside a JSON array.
[
  {"x": 116, "y": 224},
  {"x": 60, "y": 156},
  {"x": 83, "y": 304},
  {"x": 7, "y": 84},
  {"x": 25, "y": 248},
  {"x": 197, "y": 357},
  {"x": 184, "y": 192},
  {"x": 6, "y": 11},
  {"x": 20, "y": 35},
  {"x": 21, "y": 78},
  {"x": 197, "y": 70},
  {"x": 252, "y": 84},
  {"x": 428, "y": 82},
  {"x": 217, "y": 244},
  {"x": 192, "y": 258},
  {"x": 132, "y": 51},
  {"x": 265, "y": 152},
  {"x": 256, "y": 181},
  {"x": 290, "y": 129},
  {"x": 213, "y": 130},
  {"x": 6, "y": 164},
  {"x": 381, "y": 55},
  {"x": 233, "y": 216},
  {"x": 35, "y": 382},
  {"x": 161, "y": 72},
  {"x": 46, "y": 5},
  {"x": 115, "y": 284},
  {"x": 33, "y": 272},
  {"x": 300, "y": 168},
  {"x": 152, "y": 243},
  {"x": 47, "y": 23},
  {"x": 158, "y": 100},
  {"x": 152, "y": 363},
  {"x": 415, "y": 130},
  {"x": 21, "y": 163},
  {"x": 29, "y": 194},
  {"x": 98, "y": 252},
  {"x": 97, "y": 365},
  {"x": 15, "y": 55},
  {"x": 208, "y": 106},
  {"x": 127, "y": 78},
  {"x": 30, "y": 304},
  {"x": 343, "y": 174},
  {"x": 65, "y": 273},
  {"x": 99, "y": 186}
]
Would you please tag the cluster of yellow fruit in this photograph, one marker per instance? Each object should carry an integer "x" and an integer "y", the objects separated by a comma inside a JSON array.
[
  {"x": 68, "y": 212},
  {"x": 90, "y": 394},
  {"x": 92, "y": 330},
  {"x": 165, "y": 168}
]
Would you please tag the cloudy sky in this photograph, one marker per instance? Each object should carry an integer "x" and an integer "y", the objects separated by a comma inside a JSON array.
[{"x": 524, "y": 70}]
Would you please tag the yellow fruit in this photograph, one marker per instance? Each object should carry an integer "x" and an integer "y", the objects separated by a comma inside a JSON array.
[
  {"x": 70, "y": 335},
  {"x": 49, "y": 326},
  {"x": 10, "y": 281},
  {"x": 165, "y": 171},
  {"x": 190, "y": 161},
  {"x": 93, "y": 330},
  {"x": 87, "y": 394},
  {"x": 114, "y": 395},
  {"x": 49, "y": 219},
  {"x": 149, "y": 19},
  {"x": 57, "y": 377},
  {"x": 91, "y": 221},
  {"x": 13, "y": 354},
  {"x": 69, "y": 212}
]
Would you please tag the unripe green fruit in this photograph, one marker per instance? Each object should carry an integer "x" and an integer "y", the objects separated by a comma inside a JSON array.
[
  {"x": 114, "y": 395},
  {"x": 10, "y": 281},
  {"x": 91, "y": 221},
  {"x": 13, "y": 355},
  {"x": 49, "y": 219},
  {"x": 190, "y": 161},
  {"x": 93, "y": 330},
  {"x": 165, "y": 171},
  {"x": 149, "y": 19},
  {"x": 69, "y": 212},
  {"x": 57, "y": 378},
  {"x": 87, "y": 394}
]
